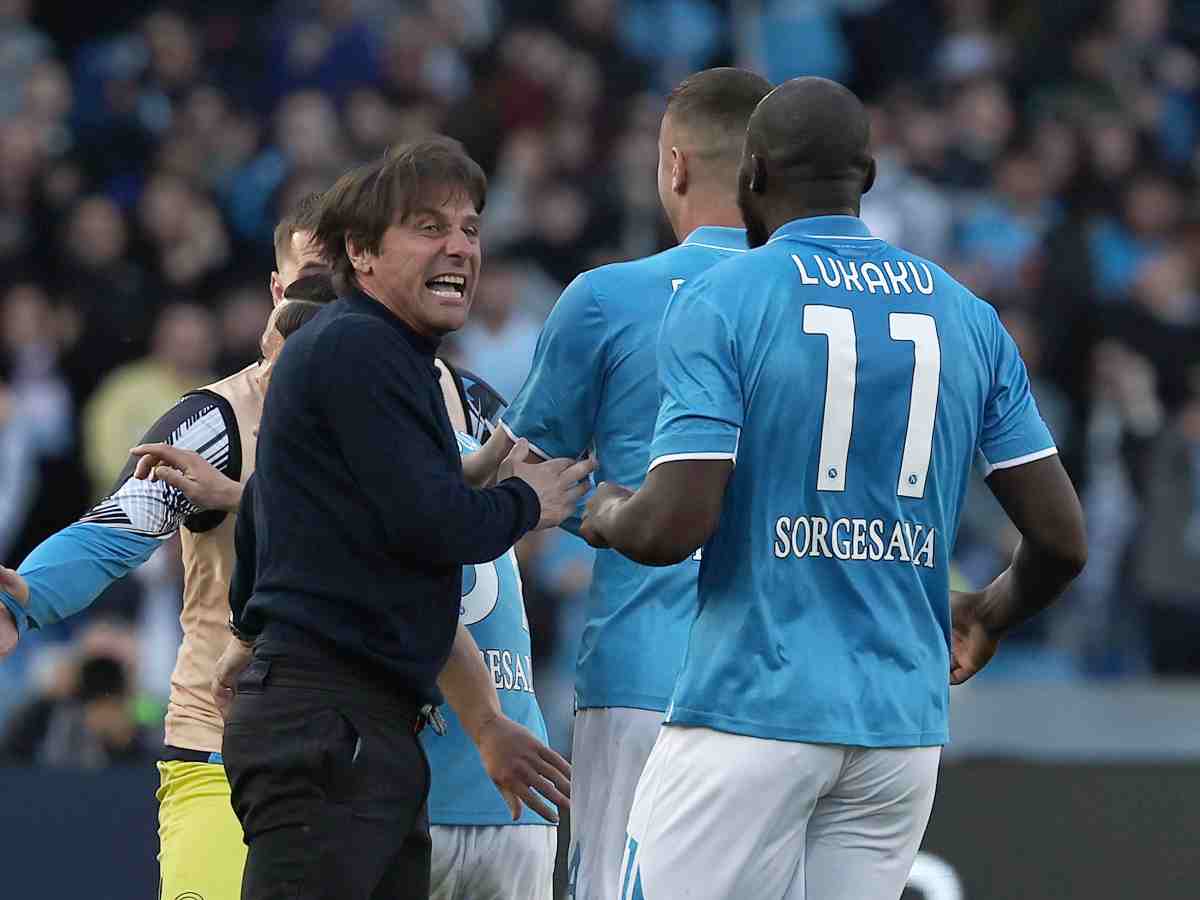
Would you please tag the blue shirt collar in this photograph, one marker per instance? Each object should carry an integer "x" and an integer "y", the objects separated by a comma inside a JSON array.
[
  {"x": 718, "y": 236},
  {"x": 824, "y": 227}
]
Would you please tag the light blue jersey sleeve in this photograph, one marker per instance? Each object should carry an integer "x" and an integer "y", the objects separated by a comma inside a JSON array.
[
  {"x": 556, "y": 408},
  {"x": 1013, "y": 431},
  {"x": 70, "y": 569},
  {"x": 701, "y": 402}
]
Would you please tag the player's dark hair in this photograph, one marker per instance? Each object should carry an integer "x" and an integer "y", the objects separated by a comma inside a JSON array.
[
  {"x": 315, "y": 288},
  {"x": 714, "y": 106},
  {"x": 367, "y": 200},
  {"x": 293, "y": 314},
  {"x": 301, "y": 218}
]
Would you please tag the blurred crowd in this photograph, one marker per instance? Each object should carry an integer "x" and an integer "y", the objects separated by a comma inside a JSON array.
[{"x": 1045, "y": 154}]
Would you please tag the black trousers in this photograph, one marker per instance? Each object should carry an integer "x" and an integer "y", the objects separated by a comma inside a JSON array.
[{"x": 329, "y": 782}]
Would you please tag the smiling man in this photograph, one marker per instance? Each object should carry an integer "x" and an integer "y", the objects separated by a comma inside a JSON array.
[{"x": 362, "y": 524}]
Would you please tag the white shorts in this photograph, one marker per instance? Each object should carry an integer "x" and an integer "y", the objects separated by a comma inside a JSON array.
[
  {"x": 609, "y": 751},
  {"x": 726, "y": 817},
  {"x": 493, "y": 862}
]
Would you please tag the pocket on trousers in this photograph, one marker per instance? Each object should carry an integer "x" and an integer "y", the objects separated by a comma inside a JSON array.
[
  {"x": 285, "y": 764},
  {"x": 387, "y": 779}
]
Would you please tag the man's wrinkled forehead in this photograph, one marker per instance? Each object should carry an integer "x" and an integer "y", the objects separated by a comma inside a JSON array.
[{"x": 450, "y": 201}]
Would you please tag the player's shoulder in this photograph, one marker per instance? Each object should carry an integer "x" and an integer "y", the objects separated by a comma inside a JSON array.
[
  {"x": 238, "y": 378},
  {"x": 751, "y": 271},
  {"x": 940, "y": 282},
  {"x": 613, "y": 281}
]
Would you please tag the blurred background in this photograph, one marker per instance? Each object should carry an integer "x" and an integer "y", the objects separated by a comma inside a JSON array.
[{"x": 1046, "y": 154}]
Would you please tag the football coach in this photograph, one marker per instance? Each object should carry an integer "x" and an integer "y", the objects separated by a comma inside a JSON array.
[{"x": 363, "y": 523}]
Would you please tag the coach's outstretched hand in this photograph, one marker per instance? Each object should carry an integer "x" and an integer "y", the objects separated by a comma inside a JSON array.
[
  {"x": 971, "y": 643},
  {"x": 523, "y": 768},
  {"x": 189, "y": 472},
  {"x": 559, "y": 483},
  {"x": 14, "y": 584}
]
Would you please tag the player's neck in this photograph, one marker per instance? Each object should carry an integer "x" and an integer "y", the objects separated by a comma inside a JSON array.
[
  {"x": 718, "y": 213},
  {"x": 812, "y": 199}
]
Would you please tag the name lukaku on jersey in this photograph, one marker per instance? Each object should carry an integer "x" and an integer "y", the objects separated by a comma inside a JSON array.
[
  {"x": 854, "y": 539},
  {"x": 887, "y": 277}
]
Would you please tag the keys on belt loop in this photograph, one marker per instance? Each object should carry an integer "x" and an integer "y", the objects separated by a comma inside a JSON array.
[{"x": 432, "y": 716}]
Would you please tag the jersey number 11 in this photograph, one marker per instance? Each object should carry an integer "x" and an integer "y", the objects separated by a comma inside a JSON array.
[{"x": 837, "y": 324}]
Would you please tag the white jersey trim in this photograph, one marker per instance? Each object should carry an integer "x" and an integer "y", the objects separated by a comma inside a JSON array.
[
  {"x": 676, "y": 457},
  {"x": 990, "y": 467},
  {"x": 714, "y": 247},
  {"x": 532, "y": 446}
]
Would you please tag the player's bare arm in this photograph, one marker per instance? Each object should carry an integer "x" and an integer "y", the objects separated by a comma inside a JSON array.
[
  {"x": 1042, "y": 503},
  {"x": 480, "y": 467},
  {"x": 522, "y": 767},
  {"x": 189, "y": 472},
  {"x": 674, "y": 512}
]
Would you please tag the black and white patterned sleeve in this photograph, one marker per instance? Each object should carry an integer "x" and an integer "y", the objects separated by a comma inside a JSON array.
[
  {"x": 482, "y": 403},
  {"x": 202, "y": 421}
]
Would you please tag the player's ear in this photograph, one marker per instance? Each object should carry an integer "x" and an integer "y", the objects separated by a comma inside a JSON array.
[
  {"x": 277, "y": 289},
  {"x": 758, "y": 174},
  {"x": 679, "y": 172},
  {"x": 869, "y": 181}
]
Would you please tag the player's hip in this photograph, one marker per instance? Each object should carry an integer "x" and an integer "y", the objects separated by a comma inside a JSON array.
[
  {"x": 492, "y": 862},
  {"x": 201, "y": 852}
]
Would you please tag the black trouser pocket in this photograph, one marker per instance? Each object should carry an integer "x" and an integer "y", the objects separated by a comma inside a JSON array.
[
  {"x": 330, "y": 796},
  {"x": 285, "y": 756}
]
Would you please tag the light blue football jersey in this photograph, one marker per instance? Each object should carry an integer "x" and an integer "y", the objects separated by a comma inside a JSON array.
[
  {"x": 853, "y": 384},
  {"x": 493, "y": 609},
  {"x": 594, "y": 386}
]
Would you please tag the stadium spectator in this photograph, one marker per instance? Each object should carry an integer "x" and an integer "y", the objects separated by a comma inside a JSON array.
[{"x": 128, "y": 400}]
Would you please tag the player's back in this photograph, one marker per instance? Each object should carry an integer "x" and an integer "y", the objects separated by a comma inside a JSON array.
[
  {"x": 866, "y": 378},
  {"x": 594, "y": 385}
]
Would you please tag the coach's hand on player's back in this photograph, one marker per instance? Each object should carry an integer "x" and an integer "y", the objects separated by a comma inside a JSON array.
[
  {"x": 559, "y": 483},
  {"x": 15, "y": 585},
  {"x": 971, "y": 643},
  {"x": 523, "y": 768}
]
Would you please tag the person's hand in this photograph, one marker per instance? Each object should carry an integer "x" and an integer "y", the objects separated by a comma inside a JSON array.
[
  {"x": 14, "y": 584},
  {"x": 190, "y": 473},
  {"x": 480, "y": 467},
  {"x": 559, "y": 483},
  {"x": 523, "y": 768},
  {"x": 224, "y": 683},
  {"x": 971, "y": 643},
  {"x": 603, "y": 502}
]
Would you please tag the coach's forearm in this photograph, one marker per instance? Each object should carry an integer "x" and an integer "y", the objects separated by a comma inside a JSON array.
[{"x": 468, "y": 686}]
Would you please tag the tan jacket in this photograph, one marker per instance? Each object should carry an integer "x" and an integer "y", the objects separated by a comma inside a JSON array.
[{"x": 193, "y": 721}]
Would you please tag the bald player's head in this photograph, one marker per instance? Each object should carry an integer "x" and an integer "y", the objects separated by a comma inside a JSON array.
[
  {"x": 700, "y": 143},
  {"x": 807, "y": 153}
]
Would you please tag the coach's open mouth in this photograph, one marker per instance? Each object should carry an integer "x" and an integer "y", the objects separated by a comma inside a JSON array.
[{"x": 447, "y": 285}]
